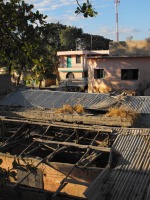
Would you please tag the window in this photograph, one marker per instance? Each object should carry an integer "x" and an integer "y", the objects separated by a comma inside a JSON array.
[
  {"x": 129, "y": 74},
  {"x": 78, "y": 59},
  {"x": 98, "y": 73}
]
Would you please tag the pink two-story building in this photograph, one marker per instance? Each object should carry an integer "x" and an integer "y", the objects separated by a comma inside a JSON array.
[
  {"x": 127, "y": 68},
  {"x": 73, "y": 64}
]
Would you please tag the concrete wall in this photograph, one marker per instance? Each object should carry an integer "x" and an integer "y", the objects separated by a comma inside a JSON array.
[
  {"x": 5, "y": 82},
  {"x": 112, "y": 80},
  {"x": 54, "y": 173}
]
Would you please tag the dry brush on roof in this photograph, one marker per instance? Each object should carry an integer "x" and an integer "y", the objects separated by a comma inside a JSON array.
[
  {"x": 123, "y": 113},
  {"x": 68, "y": 109}
]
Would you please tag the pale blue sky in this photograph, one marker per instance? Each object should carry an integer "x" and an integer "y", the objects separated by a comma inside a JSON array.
[{"x": 134, "y": 17}]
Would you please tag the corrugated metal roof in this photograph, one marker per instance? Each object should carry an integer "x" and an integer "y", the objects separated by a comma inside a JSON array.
[
  {"x": 56, "y": 99},
  {"x": 140, "y": 104},
  {"x": 130, "y": 178}
]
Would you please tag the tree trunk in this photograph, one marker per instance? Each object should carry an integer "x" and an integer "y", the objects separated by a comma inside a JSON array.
[
  {"x": 40, "y": 84},
  {"x": 18, "y": 79},
  {"x": 9, "y": 68},
  {"x": 20, "y": 73}
]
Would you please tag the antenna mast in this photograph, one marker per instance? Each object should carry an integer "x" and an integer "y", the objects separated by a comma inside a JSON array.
[{"x": 117, "y": 30}]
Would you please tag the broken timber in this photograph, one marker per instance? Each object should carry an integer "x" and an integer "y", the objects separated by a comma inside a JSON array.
[{"x": 105, "y": 149}]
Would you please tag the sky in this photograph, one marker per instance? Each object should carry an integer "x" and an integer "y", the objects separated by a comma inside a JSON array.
[{"x": 133, "y": 17}]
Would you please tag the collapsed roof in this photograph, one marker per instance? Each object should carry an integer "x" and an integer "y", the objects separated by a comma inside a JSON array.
[{"x": 117, "y": 157}]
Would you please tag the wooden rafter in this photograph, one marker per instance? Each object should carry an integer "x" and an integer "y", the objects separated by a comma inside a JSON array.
[{"x": 104, "y": 149}]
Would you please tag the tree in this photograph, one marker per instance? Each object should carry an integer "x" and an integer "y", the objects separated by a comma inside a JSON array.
[
  {"x": 74, "y": 38},
  {"x": 86, "y": 9},
  {"x": 94, "y": 42},
  {"x": 69, "y": 36},
  {"x": 20, "y": 30}
]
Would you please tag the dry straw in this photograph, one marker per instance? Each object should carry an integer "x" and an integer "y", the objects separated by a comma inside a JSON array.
[
  {"x": 123, "y": 113},
  {"x": 78, "y": 108},
  {"x": 67, "y": 109}
]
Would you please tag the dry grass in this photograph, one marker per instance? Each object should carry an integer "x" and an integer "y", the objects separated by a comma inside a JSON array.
[
  {"x": 78, "y": 108},
  {"x": 67, "y": 109},
  {"x": 123, "y": 113}
]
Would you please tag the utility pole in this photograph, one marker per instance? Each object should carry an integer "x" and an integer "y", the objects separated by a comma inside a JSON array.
[
  {"x": 117, "y": 29},
  {"x": 91, "y": 42}
]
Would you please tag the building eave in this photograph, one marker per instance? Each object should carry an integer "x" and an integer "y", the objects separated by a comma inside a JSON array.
[
  {"x": 113, "y": 57},
  {"x": 71, "y": 70},
  {"x": 83, "y": 52}
]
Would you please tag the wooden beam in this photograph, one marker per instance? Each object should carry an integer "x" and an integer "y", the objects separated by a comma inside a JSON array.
[
  {"x": 60, "y": 124},
  {"x": 105, "y": 149},
  {"x": 12, "y": 137},
  {"x": 92, "y": 159}
]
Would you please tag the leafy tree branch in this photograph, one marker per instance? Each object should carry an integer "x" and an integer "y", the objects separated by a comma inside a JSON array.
[{"x": 86, "y": 9}]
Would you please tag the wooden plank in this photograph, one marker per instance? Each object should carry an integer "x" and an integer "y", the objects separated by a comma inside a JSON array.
[{"x": 105, "y": 149}]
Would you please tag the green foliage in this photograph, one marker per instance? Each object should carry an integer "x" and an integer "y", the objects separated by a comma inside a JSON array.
[
  {"x": 86, "y": 9},
  {"x": 74, "y": 38},
  {"x": 21, "y": 30},
  {"x": 98, "y": 42},
  {"x": 69, "y": 36}
]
